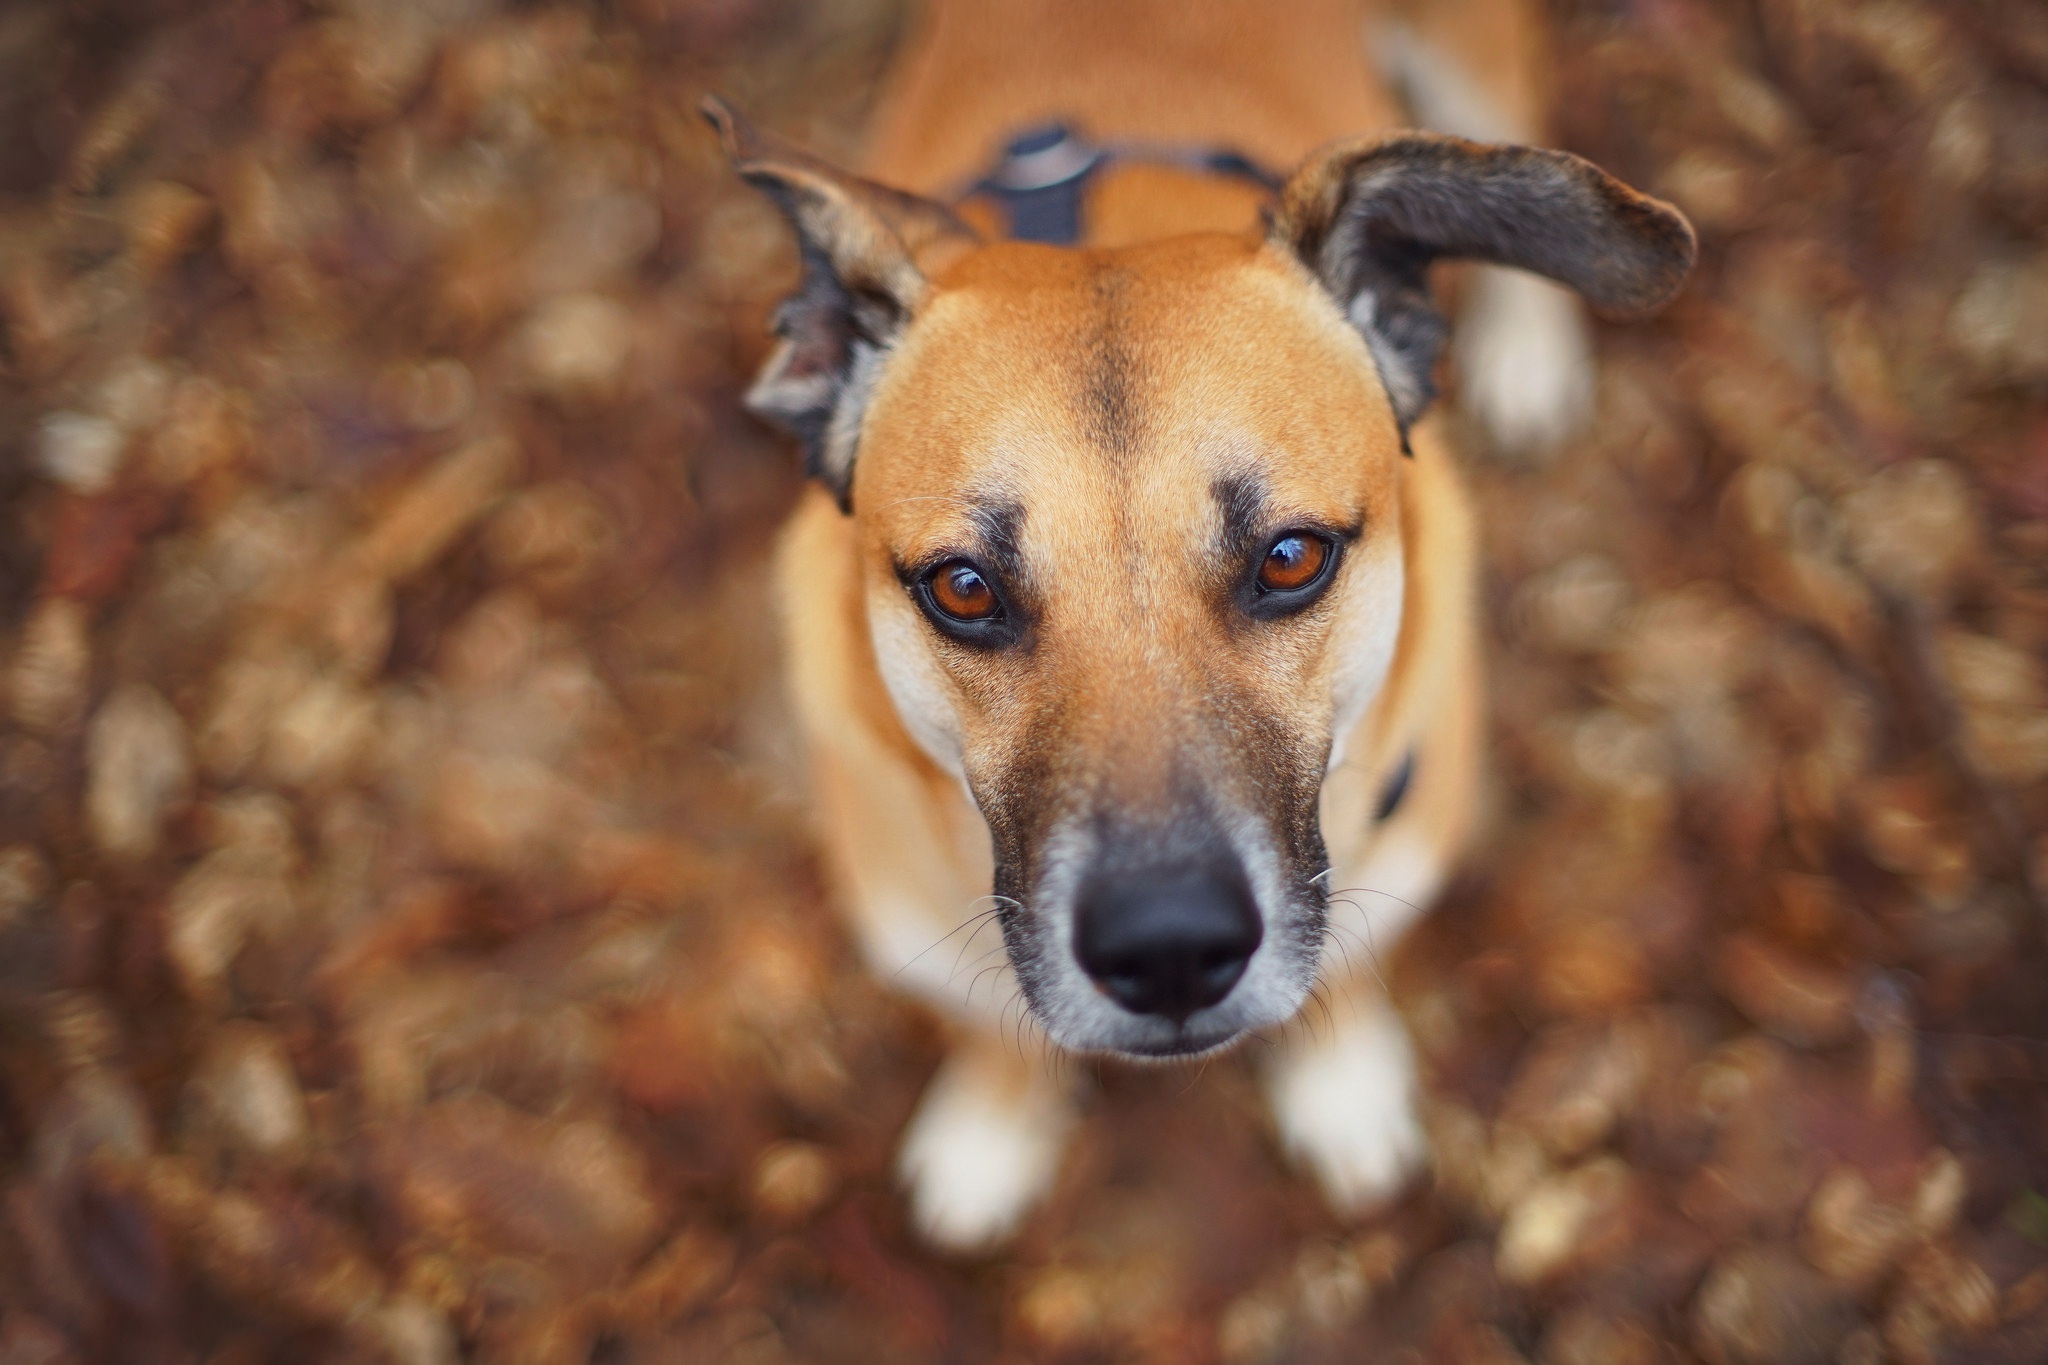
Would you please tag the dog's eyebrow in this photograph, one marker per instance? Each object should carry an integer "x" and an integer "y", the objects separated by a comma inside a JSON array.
[
  {"x": 1248, "y": 517},
  {"x": 1242, "y": 500},
  {"x": 999, "y": 526}
]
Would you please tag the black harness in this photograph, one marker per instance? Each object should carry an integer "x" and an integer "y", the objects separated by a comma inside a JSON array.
[
  {"x": 1396, "y": 790},
  {"x": 1042, "y": 180}
]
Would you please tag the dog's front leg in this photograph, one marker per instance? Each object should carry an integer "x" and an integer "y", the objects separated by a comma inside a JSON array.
[
  {"x": 985, "y": 1143},
  {"x": 1344, "y": 1097},
  {"x": 1526, "y": 357},
  {"x": 1342, "y": 1085}
]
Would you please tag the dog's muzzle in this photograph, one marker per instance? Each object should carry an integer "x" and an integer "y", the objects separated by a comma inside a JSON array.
[{"x": 1167, "y": 942}]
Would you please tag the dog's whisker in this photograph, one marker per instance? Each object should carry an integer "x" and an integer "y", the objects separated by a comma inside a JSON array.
[
  {"x": 1371, "y": 891},
  {"x": 997, "y": 968},
  {"x": 1321, "y": 998},
  {"x": 959, "y": 957},
  {"x": 1372, "y": 956},
  {"x": 971, "y": 919},
  {"x": 1333, "y": 930},
  {"x": 1015, "y": 1037},
  {"x": 1345, "y": 931},
  {"x": 1057, "y": 1065}
]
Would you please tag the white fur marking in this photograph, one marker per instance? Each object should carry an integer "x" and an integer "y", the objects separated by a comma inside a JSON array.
[
  {"x": 916, "y": 683},
  {"x": 1345, "y": 1105},
  {"x": 1369, "y": 633},
  {"x": 849, "y": 411},
  {"x": 978, "y": 1157},
  {"x": 1527, "y": 360}
]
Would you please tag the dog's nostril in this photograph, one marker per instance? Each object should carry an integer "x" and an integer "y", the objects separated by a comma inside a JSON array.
[{"x": 1167, "y": 943}]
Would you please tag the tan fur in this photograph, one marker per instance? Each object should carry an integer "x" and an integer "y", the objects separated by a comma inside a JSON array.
[
  {"x": 1090, "y": 388},
  {"x": 1213, "y": 73},
  {"x": 887, "y": 807}
]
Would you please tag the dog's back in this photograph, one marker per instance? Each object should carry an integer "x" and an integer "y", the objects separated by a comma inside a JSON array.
[{"x": 1270, "y": 81}]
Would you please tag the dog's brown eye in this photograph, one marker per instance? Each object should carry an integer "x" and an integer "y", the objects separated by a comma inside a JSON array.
[
  {"x": 1293, "y": 562},
  {"x": 962, "y": 593}
]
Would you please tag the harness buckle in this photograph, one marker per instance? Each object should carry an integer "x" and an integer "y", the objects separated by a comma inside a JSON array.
[
  {"x": 1043, "y": 177},
  {"x": 1040, "y": 181}
]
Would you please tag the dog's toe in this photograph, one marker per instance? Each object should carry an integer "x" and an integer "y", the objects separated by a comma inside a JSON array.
[
  {"x": 981, "y": 1152},
  {"x": 1345, "y": 1106},
  {"x": 1525, "y": 361}
]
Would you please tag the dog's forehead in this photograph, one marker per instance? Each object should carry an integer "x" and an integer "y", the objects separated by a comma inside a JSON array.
[{"x": 1077, "y": 385}]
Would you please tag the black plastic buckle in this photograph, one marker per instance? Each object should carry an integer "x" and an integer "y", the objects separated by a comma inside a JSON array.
[{"x": 1040, "y": 183}]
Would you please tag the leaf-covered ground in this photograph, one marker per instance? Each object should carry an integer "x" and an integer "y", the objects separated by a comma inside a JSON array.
[{"x": 409, "y": 946}]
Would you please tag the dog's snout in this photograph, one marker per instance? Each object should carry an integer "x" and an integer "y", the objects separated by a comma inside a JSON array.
[{"x": 1167, "y": 943}]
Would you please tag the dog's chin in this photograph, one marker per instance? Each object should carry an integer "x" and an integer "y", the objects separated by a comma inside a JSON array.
[
  {"x": 1166, "y": 1044},
  {"x": 1136, "y": 1038},
  {"x": 1184, "y": 1048}
]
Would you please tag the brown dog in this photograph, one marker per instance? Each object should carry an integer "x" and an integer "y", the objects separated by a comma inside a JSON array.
[{"x": 1131, "y": 590}]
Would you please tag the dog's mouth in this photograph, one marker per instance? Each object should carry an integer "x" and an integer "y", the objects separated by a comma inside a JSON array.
[{"x": 1186, "y": 1046}]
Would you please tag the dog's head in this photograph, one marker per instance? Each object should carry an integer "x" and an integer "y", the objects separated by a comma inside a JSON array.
[{"x": 1129, "y": 532}]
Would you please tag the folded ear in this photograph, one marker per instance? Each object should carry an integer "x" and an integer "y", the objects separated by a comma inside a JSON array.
[
  {"x": 1368, "y": 217},
  {"x": 860, "y": 244}
]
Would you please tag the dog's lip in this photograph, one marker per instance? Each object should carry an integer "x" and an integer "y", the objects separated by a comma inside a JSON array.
[{"x": 1180, "y": 1048}]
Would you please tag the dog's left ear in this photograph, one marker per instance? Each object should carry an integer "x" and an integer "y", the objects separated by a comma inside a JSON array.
[
  {"x": 861, "y": 246},
  {"x": 1368, "y": 217}
]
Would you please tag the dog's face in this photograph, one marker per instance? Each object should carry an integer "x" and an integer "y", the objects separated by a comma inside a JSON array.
[
  {"x": 1132, "y": 560},
  {"x": 1130, "y": 537}
]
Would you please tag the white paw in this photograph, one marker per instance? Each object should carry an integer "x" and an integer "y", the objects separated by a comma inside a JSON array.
[
  {"x": 981, "y": 1151},
  {"x": 1345, "y": 1105},
  {"x": 1525, "y": 360}
]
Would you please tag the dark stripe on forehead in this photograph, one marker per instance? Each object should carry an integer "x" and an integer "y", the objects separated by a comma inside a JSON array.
[{"x": 1109, "y": 409}]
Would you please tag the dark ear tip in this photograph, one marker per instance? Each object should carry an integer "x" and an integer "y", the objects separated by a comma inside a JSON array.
[{"x": 1672, "y": 246}]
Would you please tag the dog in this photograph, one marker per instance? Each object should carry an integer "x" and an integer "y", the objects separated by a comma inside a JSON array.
[{"x": 1130, "y": 609}]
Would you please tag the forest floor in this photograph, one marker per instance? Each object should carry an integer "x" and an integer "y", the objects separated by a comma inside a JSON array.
[{"x": 410, "y": 948}]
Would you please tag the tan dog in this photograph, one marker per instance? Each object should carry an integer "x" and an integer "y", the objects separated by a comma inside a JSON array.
[{"x": 1130, "y": 590}]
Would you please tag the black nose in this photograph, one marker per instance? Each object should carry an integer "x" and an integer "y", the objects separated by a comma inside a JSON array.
[{"x": 1167, "y": 942}]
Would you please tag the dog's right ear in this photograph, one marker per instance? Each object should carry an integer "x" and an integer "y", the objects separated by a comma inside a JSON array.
[
  {"x": 1367, "y": 217},
  {"x": 861, "y": 246}
]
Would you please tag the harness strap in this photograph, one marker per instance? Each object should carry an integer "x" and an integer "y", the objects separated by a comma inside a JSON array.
[
  {"x": 1043, "y": 177},
  {"x": 1396, "y": 790}
]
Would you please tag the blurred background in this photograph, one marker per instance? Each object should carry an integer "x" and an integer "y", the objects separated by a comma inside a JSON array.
[{"x": 410, "y": 950}]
